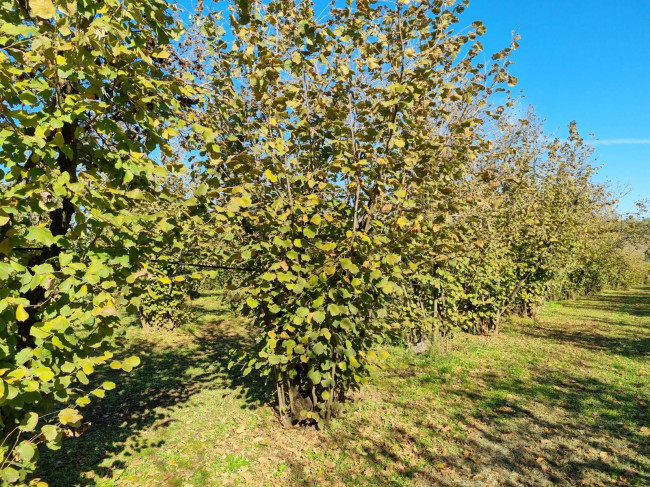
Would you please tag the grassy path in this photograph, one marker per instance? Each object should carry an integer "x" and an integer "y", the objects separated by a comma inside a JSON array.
[{"x": 565, "y": 401}]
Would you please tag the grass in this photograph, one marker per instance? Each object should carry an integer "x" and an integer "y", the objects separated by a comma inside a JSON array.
[{"x": 563, "y": 401}]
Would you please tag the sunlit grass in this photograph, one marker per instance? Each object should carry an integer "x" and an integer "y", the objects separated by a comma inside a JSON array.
[{"x": 563, "y": 401}]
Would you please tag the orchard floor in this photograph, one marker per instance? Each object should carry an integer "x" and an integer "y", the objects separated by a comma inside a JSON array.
[{"x": 565, "y": 401}]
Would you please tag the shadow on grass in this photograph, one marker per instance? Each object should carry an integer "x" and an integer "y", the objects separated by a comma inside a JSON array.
[
  {"x": 629, "y": 345},
  {"x": 545, "y": 427},
  {"x": 551, "y": 428},
  {"x": 609, "y": 334},
  {"x": 635, "y": 302},
  {"x": 545, "y": 430},
  {"x": 170, "y": 374}
]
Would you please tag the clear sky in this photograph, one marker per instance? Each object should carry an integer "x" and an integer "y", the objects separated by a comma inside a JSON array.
[{"x": 589, "y": 61}]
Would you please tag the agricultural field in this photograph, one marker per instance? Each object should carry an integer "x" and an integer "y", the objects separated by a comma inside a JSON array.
[
  {"x": 564, "y": 400},
  {"x": 290, "y": 242}
]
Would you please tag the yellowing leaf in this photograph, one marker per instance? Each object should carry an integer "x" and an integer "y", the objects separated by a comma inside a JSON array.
[
  {"x": 161, "y": 54},
  {"x": 130, "y": 363},
  {"x": 5, "y": 246},
  {"x": 69, "y": 7},
  {"x": 44, "y": 373},
  {"x": 50, "y": 432},
  {"x": 42, "y": 8},
  {"x": 21, "y": 314},
  {"x": 69, "y": 416}
]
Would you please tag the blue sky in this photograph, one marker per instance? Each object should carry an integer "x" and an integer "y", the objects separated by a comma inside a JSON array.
[{"x": 589, "y": 61}]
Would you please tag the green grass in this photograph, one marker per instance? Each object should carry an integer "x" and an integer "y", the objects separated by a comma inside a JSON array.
[{"x": 564, "y": 401}]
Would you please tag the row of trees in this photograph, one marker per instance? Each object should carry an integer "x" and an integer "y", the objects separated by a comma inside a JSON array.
[{"x": 360, "y": 178}]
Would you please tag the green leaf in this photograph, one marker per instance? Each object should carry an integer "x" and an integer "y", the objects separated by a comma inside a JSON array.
[
  {"x": 23, "y": 356},
  {"x": 109, "y": 386},
  {"x": 302, "y": 312},
  {"x": 28, "y": 98},
  {"x": 333, "y": 309},
  {"x": 314, "y": 376},
  {"x": 10, "y": 475},
  {"x": 318, "y": 316},
  {"x": 41, "y": 235},
  {"x": 349, "y": 266},
  {"x": 25, "y": 451},
  {"x": 29, "y": 422},
  {"x": 268, "y": 276}
]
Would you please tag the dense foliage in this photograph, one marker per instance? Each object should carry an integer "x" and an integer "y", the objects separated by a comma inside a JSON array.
[
  {"x": 339, "y": 143},
  {"x": 86, "y": 103},
  {"x": 358, "y": 178}
]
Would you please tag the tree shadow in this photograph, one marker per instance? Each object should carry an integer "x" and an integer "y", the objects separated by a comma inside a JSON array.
[
  {"x": 629, "y": 345},
  {"x": 187, "y": 362},
  {"x": 544, "y": 430},
  {"x": 634, "y": 302},
  {"x": 609, "y": 334},
  {"x": 550, "y": 428}
]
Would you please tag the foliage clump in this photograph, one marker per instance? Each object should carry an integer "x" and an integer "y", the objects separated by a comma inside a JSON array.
[
  {"x": 166, "y": 304},
  {"x": 337, "y": 149},
  {"x": 89, "y": 98}
]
